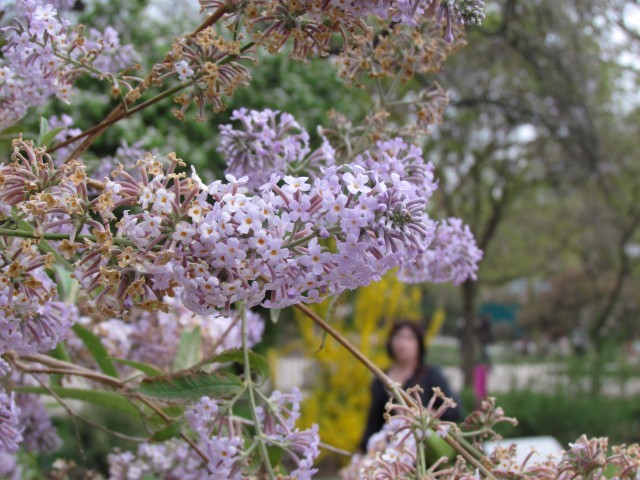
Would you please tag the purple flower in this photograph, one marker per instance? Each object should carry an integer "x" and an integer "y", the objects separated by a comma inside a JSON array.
[
  {"x": 39, "y": 434},
  {"x": 10, "y": 430},
  {"x": 452, "y": 257},
  {"x": 41, "y": 56},
  {"x": 268, "y": 141}
]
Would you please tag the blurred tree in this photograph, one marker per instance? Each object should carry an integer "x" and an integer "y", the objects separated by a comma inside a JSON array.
[{"x": 534, "y": 121}]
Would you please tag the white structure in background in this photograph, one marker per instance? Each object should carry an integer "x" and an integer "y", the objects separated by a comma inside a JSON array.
[
  {"x": 543, "y": 447},
  {"x": 293, "y": 372}
]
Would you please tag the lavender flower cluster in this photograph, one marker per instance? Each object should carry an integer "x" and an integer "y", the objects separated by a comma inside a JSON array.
[
  {"x": 392, "y": 453},
  {"x": 453, "y": 256},
  {"x": 222, "y": 245},
  {"x": 43, "y": 56},
  {"x": 217, "y": 244},
  {"x": 220, "y": 436},
  {"x": 153, "y": 336},
  {"x": 10, "y": 430},
  {"x": 269, "y": 141},
  {"x": 31, "y": 319}
]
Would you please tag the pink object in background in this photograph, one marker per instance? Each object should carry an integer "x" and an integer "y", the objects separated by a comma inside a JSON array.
[{"x": 480, "y": 373}]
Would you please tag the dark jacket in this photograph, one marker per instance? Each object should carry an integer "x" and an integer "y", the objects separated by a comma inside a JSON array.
[{"x": 428, "y": 377}]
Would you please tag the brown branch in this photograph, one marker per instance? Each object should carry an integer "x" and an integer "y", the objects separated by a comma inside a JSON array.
[
  {"x": 73, "y": 414},
  {"x": 622, "y": 273},
  {"x": 121, "y": 110},
  {"x": 59, "y": 366},
  {"x": 213, "y": 18}
]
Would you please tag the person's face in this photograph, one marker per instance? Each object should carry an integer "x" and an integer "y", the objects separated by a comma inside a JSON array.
[{"x": 404, "y": 345}]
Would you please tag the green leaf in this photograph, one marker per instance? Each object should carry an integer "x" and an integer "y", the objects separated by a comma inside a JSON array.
[
  {"x": 65, "y": 283},
  {"x": 437, "y": 447},
  {"x": 275, "y": 454},
  {"x": 192, "y": 386},
  {"x": 188, "y": 353},
  {"x": 44, "y": 127},
  {"x": 145, "y": 368},
  {"x": 95, "y": 397},
  {"x": 48, "y": 137},
  {"x": 60, "y": 352},
  {"x": 274, "y": 315},
  {"x": 99, "y": 353},
  {"x": 257, "y": 363},
  {"x": 170, "y": 431},
  {"x": 13, "y": 129}
]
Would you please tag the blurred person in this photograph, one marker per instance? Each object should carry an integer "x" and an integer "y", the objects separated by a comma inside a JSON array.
[{"x": 406, "y": 347}]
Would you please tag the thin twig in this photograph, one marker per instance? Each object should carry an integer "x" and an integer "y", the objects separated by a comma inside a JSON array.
[
  {"x": 63, "y": 368},
  {"x": 80, "y": 371},
  {"x": 468, "y": 457},
  {"x": 167, "y": 419},
  {"x": 71, "y": 413},
  {"x": 390, "y": 384},
  {"x": 213, "y": 18},
  {"x": 73, "y": 419},
  {"x": 217, "y": 343},
  {"x": 252, "y": 401},
  {"x": 121, "y": 110}
]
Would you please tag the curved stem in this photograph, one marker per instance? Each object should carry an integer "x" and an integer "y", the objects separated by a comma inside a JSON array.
[
  {"x": 60, "y": 366},
  {"x": 7, "y": 232},
  {"x": 468, "y": 457},
  {"x": 470, "y": 453},
  {"x": 252, "y": 400},
  {"x": 120, "y": 112},
  {"x": 215, "y": 346},
  {"x": 213, "y": 18}
]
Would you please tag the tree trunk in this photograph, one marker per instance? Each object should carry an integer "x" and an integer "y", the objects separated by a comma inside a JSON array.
[
  {"x": 468, "y": 345},
  {"x": 597, "y": 367}
]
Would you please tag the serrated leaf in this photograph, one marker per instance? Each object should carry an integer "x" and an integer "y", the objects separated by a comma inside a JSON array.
[
  {"x": 192, "y": 386},
  {"x": 95, "y": 397},
  {"x": 145, "y": 368},
  {"x": 257, "y": 363},
  {"x": 99, "y": 353},
  {"x": 48, "y": 137},
  {"x": 170, "y": 431},
  {"x": 188, "y": 353},
  {"x": 274, "y": 315}
]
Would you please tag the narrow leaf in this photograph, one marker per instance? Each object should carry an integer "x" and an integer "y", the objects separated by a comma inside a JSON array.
[
  {"x": 274, "y": 314},
  {"x": 275, "y": 454},
  {"x": 188, "y": 353},
  {"x": 170, "y": 431},
  {"x": 44, "y": 127},
  {"x": 95, "y": 397},
  {"x": 257, "y": 363},
  {"x": 13, "y": 129},
  {"x": 99, "y": 353},
  {"x": 60, "y": 352},
  {"x": 48, "y": 137},
  {"x": 192, "y": 386},
  {"x": 145, "y": 368}
]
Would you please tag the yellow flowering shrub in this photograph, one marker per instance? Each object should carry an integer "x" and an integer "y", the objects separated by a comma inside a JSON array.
[{"x": 339, "y": 399}]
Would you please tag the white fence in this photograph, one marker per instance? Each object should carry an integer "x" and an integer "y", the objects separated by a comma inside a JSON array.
[{"x": 540, "y": 377}]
